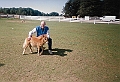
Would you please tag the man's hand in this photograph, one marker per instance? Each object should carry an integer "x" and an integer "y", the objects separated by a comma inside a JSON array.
[
  {"x": 29, "y": 38},
  {"x": 45, "y": 35}
]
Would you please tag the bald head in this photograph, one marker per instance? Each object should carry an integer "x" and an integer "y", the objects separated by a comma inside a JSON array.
[{"x": 43, "y": 23}]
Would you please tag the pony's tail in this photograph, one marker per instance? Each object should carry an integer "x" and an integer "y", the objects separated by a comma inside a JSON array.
[{"x": 25, "y": 43}]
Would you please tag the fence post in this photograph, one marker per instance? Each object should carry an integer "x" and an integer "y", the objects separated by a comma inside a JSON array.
[
  {"x": 70, "y": 19},
  {"x": 40, "y": 18},
  {"x": 81, "y": 20},
  {"x": 95, "y": 21},
  {"x": 49, "y": 18},
  {"x": 59, "y": 19}
]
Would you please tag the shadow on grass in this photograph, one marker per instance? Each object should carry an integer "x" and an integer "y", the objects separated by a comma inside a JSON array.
[
  {"x": 57, "y": 51},
  {"x": 1, "y": 64}
]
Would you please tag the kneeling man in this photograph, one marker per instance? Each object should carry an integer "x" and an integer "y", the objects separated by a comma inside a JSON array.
[{"x": 40, "y": 30}]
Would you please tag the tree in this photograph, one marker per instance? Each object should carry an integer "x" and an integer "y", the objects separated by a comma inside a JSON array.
[
  {"x": 53, "y": 14},
  {"x": 12, "y": 10},
  {"x": 90, "y": 8},
  {"x": 111, "y": 7},
  {"x": 71, "y": 8},
  {"x": 6, "y": 10},
  {"x": 25, "y": 11},
  {"x": 1, "y": 10}
]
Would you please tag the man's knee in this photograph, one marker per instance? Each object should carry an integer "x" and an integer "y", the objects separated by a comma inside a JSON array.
[{"x": 49, "y": 40}]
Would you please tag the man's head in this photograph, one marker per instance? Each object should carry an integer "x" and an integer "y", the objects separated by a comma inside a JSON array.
[{"x": 43, "y": 23}]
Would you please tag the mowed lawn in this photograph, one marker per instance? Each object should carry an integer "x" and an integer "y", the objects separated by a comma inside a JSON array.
[{"x": 81, "y": 53}]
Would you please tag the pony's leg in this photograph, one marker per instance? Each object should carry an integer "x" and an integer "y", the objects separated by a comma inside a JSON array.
[
  {"x": 31, "y": 51},
  {"x": 42, "y": 50},
  {"x": 24, "y": 49}
]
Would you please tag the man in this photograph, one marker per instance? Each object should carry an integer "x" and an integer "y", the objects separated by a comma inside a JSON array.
[{"x": 40, "y": 30}]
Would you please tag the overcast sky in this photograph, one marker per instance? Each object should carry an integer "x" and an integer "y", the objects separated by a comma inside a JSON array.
[{"x": 46, "y": 6}]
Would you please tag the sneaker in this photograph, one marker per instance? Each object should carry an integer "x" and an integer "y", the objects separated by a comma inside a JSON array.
[{"x": 50, "y": 52}]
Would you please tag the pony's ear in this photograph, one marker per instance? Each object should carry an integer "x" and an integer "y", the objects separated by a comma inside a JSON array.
[{"x": 45, "y": 39}]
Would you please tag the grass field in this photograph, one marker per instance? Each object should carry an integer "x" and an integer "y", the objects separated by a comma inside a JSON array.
[{"x": 81, "y": 53}]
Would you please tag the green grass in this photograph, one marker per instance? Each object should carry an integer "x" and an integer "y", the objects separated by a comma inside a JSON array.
[{"x": 82, "y": 53}]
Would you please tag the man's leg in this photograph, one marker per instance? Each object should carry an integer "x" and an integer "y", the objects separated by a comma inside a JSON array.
[{"x": 50, "y": 45}]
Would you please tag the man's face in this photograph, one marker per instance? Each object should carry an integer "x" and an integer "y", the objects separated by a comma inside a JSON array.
[{"x": 42, "y": 24}]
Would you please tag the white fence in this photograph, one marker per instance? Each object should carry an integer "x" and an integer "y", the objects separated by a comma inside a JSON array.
[
  {"x": 47, "y": 18},
  {"x": 9, "y": 16},
  {"x": 93, "y": 20}
]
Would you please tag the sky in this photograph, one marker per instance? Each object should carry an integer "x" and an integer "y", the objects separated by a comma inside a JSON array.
[{"x": 46, "y": 6}]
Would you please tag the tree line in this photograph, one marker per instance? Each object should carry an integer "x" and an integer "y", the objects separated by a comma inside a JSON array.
[
  {"x": 92, "y": 8},
  {"x": 25, "y": 11}
]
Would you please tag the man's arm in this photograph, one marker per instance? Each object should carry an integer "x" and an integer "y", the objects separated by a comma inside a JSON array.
[
  {"x": 48, "y": 34},
  {"x": 31, "y": 32}
]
